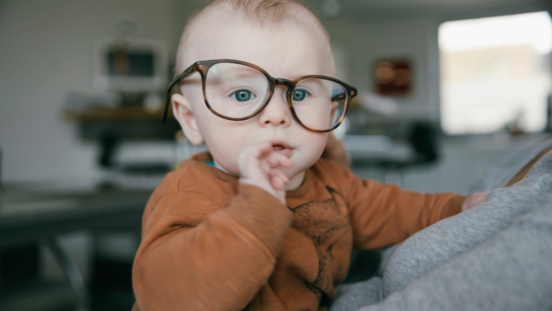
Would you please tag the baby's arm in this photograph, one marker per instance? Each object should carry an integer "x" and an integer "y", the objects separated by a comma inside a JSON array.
[
  {"x": 384, "y": 214},
  {"x": 196, "y": 255}
]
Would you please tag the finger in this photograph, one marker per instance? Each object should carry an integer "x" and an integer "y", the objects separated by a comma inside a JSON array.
[
  {"x": 265, "y": 167},
  {"x": 264, "y": 150},
  {"x": 255, "y": 156},
  {"x": 257, "y": 151},
  {"x": 477, "y": 198},
  {"x": 277, "y": 183},
  {"x": 278, "y": 179},
  {"x": 276, "y": 159},
  {"x": 279, "y": 173},
  {"x": 474, "y": 200},
  {"x": 286, "y": 162}
]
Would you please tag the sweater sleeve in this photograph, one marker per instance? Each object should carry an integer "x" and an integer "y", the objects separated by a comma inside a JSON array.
[
  {"x": 384, "y": 214},
  {"x": 197, "y": 256}
]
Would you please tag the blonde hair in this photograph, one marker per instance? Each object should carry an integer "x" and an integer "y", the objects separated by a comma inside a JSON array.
[
  {"x": 260, "y": 11},
  {"x": 266, "y": 10}
]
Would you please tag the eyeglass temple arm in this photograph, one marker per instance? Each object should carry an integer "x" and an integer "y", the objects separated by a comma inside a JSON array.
[
  {"x": 352, "y": 93},
  {"x": 186, "y": 73}
]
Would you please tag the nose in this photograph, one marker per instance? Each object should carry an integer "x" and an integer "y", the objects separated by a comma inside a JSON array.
[{"x": 276, "y": 112}]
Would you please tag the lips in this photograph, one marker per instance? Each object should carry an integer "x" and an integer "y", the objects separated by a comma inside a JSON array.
[{"x": 281, "y": 147}]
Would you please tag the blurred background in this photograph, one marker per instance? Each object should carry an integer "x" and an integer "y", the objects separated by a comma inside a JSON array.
[{"x": 446, "y": 89}]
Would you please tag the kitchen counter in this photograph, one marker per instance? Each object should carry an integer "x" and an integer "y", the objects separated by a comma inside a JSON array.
[{"x": 30, "y": 213}]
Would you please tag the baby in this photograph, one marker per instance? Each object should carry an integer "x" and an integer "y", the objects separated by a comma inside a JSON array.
[{"x": 260, "y": 222}]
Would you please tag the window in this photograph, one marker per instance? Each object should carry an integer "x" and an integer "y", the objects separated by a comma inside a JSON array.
[{"x": 495, "y": 71}]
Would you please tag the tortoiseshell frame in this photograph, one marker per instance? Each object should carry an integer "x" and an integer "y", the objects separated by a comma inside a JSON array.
[{"x": 202, "y": 67}]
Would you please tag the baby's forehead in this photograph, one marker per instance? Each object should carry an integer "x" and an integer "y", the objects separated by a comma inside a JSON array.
[
  {"x": 224, "y": 13},
  {"x": 219, "y": 32}
]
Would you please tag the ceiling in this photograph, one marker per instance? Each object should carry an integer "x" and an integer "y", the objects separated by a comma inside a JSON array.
[
  {"x": 386, "y": 8},
  {"x": 416, "y": 4}
]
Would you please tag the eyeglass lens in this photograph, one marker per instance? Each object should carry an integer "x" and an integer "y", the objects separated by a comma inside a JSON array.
[{"x": 237, "y": 91}]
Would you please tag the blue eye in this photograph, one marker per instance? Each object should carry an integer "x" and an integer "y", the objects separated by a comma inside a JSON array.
[
  {"x": 299, "y": 95},
  {"x": 243, "y": 95}
]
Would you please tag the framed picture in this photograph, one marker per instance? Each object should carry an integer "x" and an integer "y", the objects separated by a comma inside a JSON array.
[{"x": 393, "y": 77}]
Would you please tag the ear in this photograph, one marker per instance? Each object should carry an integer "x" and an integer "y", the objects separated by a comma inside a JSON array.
[{"x": 183, "y": 113}]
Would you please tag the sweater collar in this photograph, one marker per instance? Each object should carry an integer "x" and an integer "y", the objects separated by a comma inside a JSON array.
[{"x": 199, "y": 161}]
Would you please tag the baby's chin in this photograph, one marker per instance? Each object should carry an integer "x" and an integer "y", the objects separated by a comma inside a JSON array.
[
  {"x": 295, "y": 181},
  {"x": 296, "y": 174}
]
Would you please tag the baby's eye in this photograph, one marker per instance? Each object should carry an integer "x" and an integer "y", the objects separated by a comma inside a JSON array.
[
  {"x": 243, "y": 95},
  {"x": 300, "y": 95}
]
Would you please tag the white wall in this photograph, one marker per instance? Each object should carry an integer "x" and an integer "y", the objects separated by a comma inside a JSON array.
[
  {"x": 370, "y": 41},
  {"x": 369, "y": 30},
  {"x": 46, "y": 51}
]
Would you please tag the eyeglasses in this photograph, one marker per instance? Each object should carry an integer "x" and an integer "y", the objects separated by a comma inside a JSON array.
[{"x": 237, "y": 91}]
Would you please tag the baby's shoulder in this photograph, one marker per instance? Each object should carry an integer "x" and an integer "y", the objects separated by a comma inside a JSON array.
[
  {"x": 186, "y": 197},
  {"x": 192, "y": 183}
]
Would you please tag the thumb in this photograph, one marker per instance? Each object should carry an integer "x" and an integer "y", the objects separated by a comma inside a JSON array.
[{"x": 474, "y": 200}]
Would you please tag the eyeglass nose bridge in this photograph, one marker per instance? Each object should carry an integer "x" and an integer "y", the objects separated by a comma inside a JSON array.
[
  {"x": 285, "y": 82},
  {"x": 290, "y": 85}
]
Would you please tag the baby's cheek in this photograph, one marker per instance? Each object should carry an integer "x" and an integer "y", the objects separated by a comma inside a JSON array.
[
  {"x": 320, "y": 143},
  {"x": 228, "y": 163},
  {"x": 313, "y": 147},
  {"x": 226, "y": 153}
]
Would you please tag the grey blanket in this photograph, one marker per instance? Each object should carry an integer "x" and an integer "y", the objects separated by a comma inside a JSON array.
[{"x": 478, "y": 260}]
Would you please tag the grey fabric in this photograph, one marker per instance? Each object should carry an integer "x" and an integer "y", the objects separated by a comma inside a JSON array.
[
  {"x": 500, "y": 273},
  {"x": 385, "y": 256},
  {"x": 509, "y": 167},
  {"x": 510, "y": 271},
  {"x": 452, "y": 236},
  {"x": 356, "y": 295}
]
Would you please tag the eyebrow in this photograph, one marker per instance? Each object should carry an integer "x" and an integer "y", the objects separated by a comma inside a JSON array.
[
  {"x": 250, "y": 74},
  {"x": 317, "y": 82},
  {"x": 237, "y": 76}
]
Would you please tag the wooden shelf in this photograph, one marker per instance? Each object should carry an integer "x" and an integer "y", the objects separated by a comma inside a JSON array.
[{"x": 129, "y": 113}]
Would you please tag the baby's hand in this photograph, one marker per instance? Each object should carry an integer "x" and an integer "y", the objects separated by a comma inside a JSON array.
[
  {"x": 474, "y": 199},
  {"x": 261, "y": 166}
]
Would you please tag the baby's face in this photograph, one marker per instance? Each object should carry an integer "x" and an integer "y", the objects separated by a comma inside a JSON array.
[{"x": 288, "y": 51}]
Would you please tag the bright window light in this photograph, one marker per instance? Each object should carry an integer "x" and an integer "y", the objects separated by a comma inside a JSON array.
[
  {"x": 495, "y": 72},
  {"x": 534, "y": 29}
]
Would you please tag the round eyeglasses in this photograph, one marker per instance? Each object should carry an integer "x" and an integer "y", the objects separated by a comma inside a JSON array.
[{"x": 237, "y": 91}]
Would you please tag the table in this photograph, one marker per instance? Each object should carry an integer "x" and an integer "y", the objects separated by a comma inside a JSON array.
[{"x": 29, "y": 213}]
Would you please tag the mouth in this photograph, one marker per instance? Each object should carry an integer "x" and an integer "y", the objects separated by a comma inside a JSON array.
[{"x": 282, "y": 147}]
